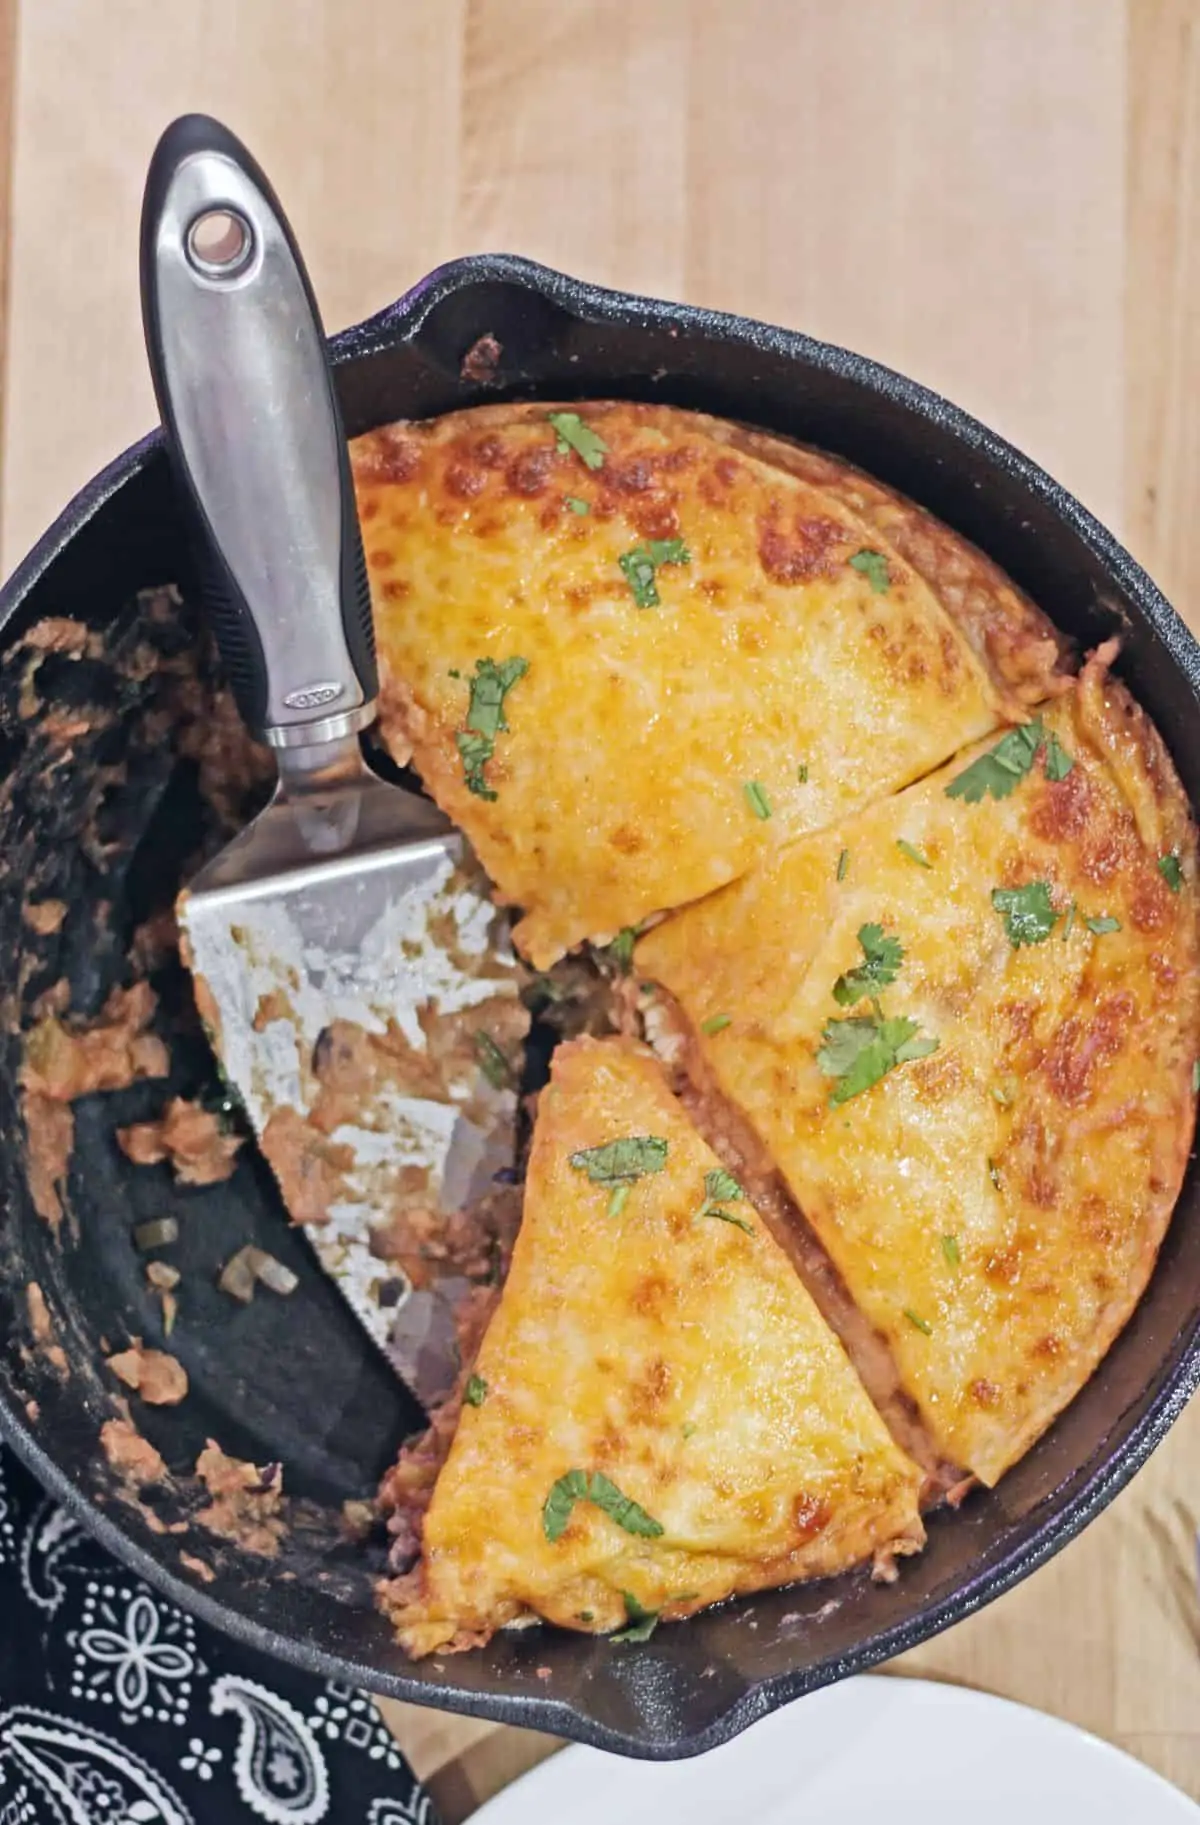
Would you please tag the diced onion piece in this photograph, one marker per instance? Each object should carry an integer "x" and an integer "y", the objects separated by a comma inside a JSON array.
[
  {"x": 273, "y": 1273},
  {"x": 162, "y": 1275},
  {"x": 160, "y": 1232},
  {"x": 238, "y": 1278}
]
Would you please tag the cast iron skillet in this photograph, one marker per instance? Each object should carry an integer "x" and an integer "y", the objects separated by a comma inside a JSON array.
[{"x": 291, "y": 1380}]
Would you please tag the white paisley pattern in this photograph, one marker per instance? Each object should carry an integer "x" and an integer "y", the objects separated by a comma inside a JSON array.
[
  {"x": 278, "y": 1764},
  {"x": 49, "y": 1539},
  {"x": 87, "y": 1778},
  {"x": 134, "y": 1651},
  {"x": 344, "y": 1715},
  {"x": 396, "y": 1812}
]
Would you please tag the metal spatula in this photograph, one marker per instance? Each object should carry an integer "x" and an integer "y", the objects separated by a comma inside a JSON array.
[{"x": 345, "y": 954}]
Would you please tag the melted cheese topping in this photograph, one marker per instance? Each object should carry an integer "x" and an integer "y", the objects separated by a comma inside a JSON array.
[
  {"x": 995, "y": 1209},
  {"x": 771, "y": 660},
  {"x": 679, "y": 1356}
]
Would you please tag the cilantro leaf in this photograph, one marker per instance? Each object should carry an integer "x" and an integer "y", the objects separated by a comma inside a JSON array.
[
  {"x": 575, "y": 504},
  {"x": 843, "y": 862},
  {"x": 756, "y": 798},
  {"x": 1171, "y": 872},
  {"x": 1069, "y": 927},
  {"x": 950, "y": 1250},
  {"x": 882, "y": 957},
  {"x": 998, "y": 771},
  {"x": 573, "y": 434},
  {"x": 492, "y": 1062},
  {"x": 1104, "y": 924},
  {"x": 921, "y": 1324},
  {"x": 618, "y": 1197},
  {"x": 716, "y": 1023},
  {"x": 485, "y": 718},
  {"x": 1058, "y": 762},
  {"x": 621, "y": 948},
  {"x": 720, "y": 1187},
  {"x": 861, "y": 1050},
  {"x": 874, "y": 566},
  {"x": 477, "y": 1391},
  {"x": 623, "y": 1161},
  {"x": 912, "y": 853},
  {"x": 802, "y": 773},
  {"x": 726, "y": 1216},
  {"x": 1028, "y": 915},
  {"x": 640, "y": 567},
  {"x": 579, "y": 1486},
  {"x": 641, "y": 1623}
]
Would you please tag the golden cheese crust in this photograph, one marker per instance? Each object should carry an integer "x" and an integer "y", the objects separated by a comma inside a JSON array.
[
  {"x": 680, "y": 1357},
  {"x": 824, "y": 642},
  {"x": 994, "y": 1208}
]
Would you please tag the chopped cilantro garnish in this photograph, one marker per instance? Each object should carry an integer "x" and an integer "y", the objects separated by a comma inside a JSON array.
[
  {"x": 861, "y": 1050},
  {"x": 1171, "y": 872},
  {"x": 485, "y": 718},
  {"x": 922, "y": 1324},
  {"x": 716, "y": 1023},
  {"x": 1104, "y": 924},
  {"x": 1069, "y": 927},
  {"x": 641, "y": 1622},
  {"x": 998, "y": 771},
  {"x": 618, "y": 1197},
  {"x": 623, "y": 1161},
  {"x": 477, "y": 1391},
  {"x": 594, "y": 1487},
  {"x": 802, "y": 773},
  {"x": 1005, "y": 1091},
  {"x": 842, "y": 864},
  {"x": 1058, "y": 762},
  {"x": 575, "y": 504},
  {"x": 492, "y": 1062},
  {"x": 756, "y": 798},
  {"x": 950, "y": 1250},
  {"x": 873, "y": 565},
  {"x": 573, "y": 434},
  {"x": 882, "y": 957},
  {"x": 1028, "y": 915},
  {"x": 621, "y": 948},
  {"x": 688, "y": 1430},
  {"x": 913, "y": 853},
  {"x": 640, "y": 567},
  {"x": 720, "y": 1187}
]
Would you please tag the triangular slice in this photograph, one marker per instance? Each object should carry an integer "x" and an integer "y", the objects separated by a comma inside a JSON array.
[
  {"x": 662, "y": 1417},
  {"x": 633, "y": 649},
  {"x": 994, "y": 1206}
]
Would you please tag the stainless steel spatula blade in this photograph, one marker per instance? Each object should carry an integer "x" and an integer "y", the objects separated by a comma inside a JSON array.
[{"x": 356, "y": 978}]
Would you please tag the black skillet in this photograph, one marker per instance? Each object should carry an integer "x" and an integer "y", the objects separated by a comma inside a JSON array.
[{"x": 108, "y": 824}]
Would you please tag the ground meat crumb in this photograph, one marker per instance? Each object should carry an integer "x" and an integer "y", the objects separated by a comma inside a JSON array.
[
  {"x": 245, "y": 1501},
  {"x": 190, "y": 1136},
  {"x": 42, "y": 1326},
  {"x": 129, "y": 1453},
  {"x": 44, "y": 917},
  {"x": 155, "y": 1375},
  {"x": 204, "y": 1572},
  {"x": 108, "y": 1053},
  {"x": 57, "y": 634},
  {"x": 481, "y": 360}
]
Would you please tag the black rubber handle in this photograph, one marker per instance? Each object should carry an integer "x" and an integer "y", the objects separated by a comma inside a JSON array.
[{"x": 242, "y": 377}]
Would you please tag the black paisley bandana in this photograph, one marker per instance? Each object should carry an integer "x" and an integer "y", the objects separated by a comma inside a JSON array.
[{"x": 116, "y": 1708}]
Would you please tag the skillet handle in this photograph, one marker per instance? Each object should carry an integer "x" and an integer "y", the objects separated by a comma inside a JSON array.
[{"x": 240, "y": 369}]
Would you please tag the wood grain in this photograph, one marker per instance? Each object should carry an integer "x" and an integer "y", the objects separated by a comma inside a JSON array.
[{"x": 1002, "y": 199}]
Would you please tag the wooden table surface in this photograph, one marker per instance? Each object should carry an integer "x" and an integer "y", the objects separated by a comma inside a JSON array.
[{"x": 1000, "y": 197}]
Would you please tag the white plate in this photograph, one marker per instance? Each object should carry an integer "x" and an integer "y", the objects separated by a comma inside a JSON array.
[{"x": 908, "y": 1750}]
